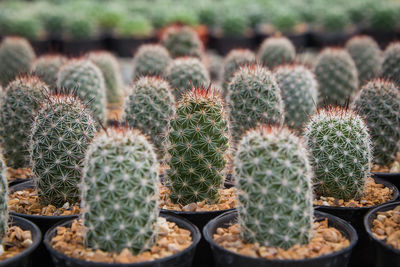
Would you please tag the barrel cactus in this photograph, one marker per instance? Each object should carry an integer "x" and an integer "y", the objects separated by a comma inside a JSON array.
[
  {"x": 16, "y": 57},
  {"x": 379, "y": 103},
  {"x": 61, "y": 134},
  {"x": 182, "y": 41},
  {"x": 391, "y": 63},
  {"x": 274, "y": 182},
  {"x": 3, "y": 199},
  {"x": 47, "y": 67},
  {"x": 276, "y": 51},
  {"x": 340, "y": 152},
  {"x": 197, "y": 143},
  {"x": 150, "y": 60},
  {"x": 119, "y": 192},
  {"x": 234, "y": 60}
]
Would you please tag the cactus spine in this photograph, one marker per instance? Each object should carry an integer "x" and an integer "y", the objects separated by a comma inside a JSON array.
[
  {"x": 182, "y": 41},
  {"x": 47, "y": 67},
  {"x": 391, "y": 63},
  {"x": 150, "y": 60},
  {"x": 234, "y": 60},
  {"x": 276, "y": 51}
]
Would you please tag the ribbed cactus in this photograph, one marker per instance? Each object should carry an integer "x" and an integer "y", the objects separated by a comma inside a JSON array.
[
  {"x": 391, "y": 63},
  {"x": 274, "y": 188},
  {"x": 215, "y": 63},
  {"x": 198, "y": 145},
  {"x": 150, "y": 60},
  {"x": 182, "y": 41},
  {"x": 89, "y": 81},
  {"x": 367, "y": 56},
  {"x": 183, "y": 73},
  {"x": 47, "y": 67},
  {"x": 3, "y": 199},
  {"x": 379, "y": 103},
  {"x": 149, "y": 107},
  {"x": 337, "y": 76},
  {"x": 340, "y": 152},
  {"x": 119, "y": 192},
  {"x": 61, "y": 134},
  {"x": 16, "y": 57},
  {"x": 109, "y": 66},
  {"x": 299, "y": 90},
  {"x": 234, "y": 60},
  {"x": 253, "y": 97},
  {"x": 276, "y": 51},
  {"x": 19, "y": 106}
]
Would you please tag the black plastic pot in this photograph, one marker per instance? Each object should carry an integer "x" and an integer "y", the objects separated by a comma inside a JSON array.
[
  {"x": 80, "y": 47},
  {"x": 385, "y": 254},
  {"x": 225, "y": 258},
  {"x": 364, "y": 253},
  {"x": 224, "y": 44},
  {"x": 42, "y": 46},
  {"x": 126, "y": 47},
  {"x": 323, "y": 39},
  {"x": 18, "y": 181},
  {"x": 181, "y": 259},
  {"x": 382, "y": 37},
  {"x": 23, "y": 259},
  {"x": 300, "y": 40},
  {"x": 393, "y": 178}
]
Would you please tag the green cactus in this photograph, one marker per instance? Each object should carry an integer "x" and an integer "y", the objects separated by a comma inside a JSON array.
[
  {"x": 150, "y": 60},
  {"x": 16, "y": 57},
  {"x": 307, "y": 58},
  {"x": 109, "y": 66},
  {"x": 197, "y": 143},
  {"x": 215, "y": 63},
  {"x": 119, "y": 192},
  {"x": 391, "y": 63},
  {"x": 234, "y": 60},
  {"x": 182, "y": 41},
  {"x": 274, "y": 185},
  {"x": 47, "y": 67},
  {"x": 340, "y": 152},
  {"x": 149, "y": 107},
  {"x": 367, "y": 56},
  {"x": 276, "y": 51},
  {"x": 233, "y": 23},
  {"x": 253, "y": 97},
  {"x": 183, "y": 73},
  {"x": 3, "y": 199},
  {"x": 379, "y": 103},
  {"x": 337, "y": 76},
  {"x": 88, "y": 79},
  {"x": 19, "y": 106}
]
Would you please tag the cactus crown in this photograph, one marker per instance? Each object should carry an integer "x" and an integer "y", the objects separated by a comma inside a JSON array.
[
  {"x": 276, "y": 51},
  {"x": 3, "y": 199},
  {"x": 150, "y": 60},
  {"x": 182, "y": 41},
  {"x": 274, "y": 188},
  {"x": 46, "y": 68},
  {"x": 391, "y": 63},
  {"x": 119, "y": 191},
  {"x": 234, "y": 60},
  {"x": 340, "y": 152}
]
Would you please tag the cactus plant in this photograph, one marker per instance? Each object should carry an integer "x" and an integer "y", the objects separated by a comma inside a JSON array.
[
  {"x": 274, "y": 188},
  {"x": 340, "y": 152},
  {"x": 16, "y": 55},
  {"x": 391, "y": 63},
  {"x": 110, "y": 69},
  {"x": 299, "y": 90},
  {"x": 197, "y": 143},
  {"x": 182, "y": 41},
  {"x": 367, "y": 56},
  {"x": 150, "y": 60},
  {"x": 46, "y": 68},
  {"x": 89, "y": 81},
  {"x": 182, "y": 73},
  {"x": 276, "y": 51},
  {"x": 379, "y": 103},
  {"x": 119, "y": 192},
  {"x": 336, "y": 75},
  {"x": 19, "y": 106},
  {"x": 253, "y": 96},
  {"x": 3, "y": 199},
  {"x": 234, "y": 60},
  {"x": 215, "y": 63},
  {"x": 149, "y": 107}
]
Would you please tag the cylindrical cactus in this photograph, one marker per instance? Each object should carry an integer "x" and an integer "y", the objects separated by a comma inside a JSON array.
[
  {"x": 379, "y": 103},
  {"x": 276, "y": 51},
  {"x": 150, "y": 60},
  {"x": 274, "y": 185},
  {"x": 120, "y": 192},
  {"x": 340, "y": 152},
  {"x": 337, "y": 76},
  {"x": 182, "y": 41},
  {"x": 215, "y": 63},
  {"x": 234, "y": 60},
  {"x": 16, "y": 57},
  {"x": 47, "y": 67},
  {"x": 391, "y": 63},
  {"x": 3, "y": 199},
  {"x": 61, "y": 134},
  {"x": 87, "y": 78},
  {"x": 197, "y": 145}
]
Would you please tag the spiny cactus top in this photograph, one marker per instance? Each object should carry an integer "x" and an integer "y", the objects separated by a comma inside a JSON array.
[
  {"x": 276, "y": 51},
  {"x": 391, "y": 63},
  {"x": 110, "y": 69},
  {"x": 340, "y": 152},
  {"x": 19, "y": 106},
  {"x": 274, "y": 188},
  {"x": 3, "y": 199},
  {"x": 119, "y": 192},
  {"x": 150, "y": 60},
  {"x": 253, "y": 97},
  {"x": 182, "y": 41},
  {"x": 16, "y": 57},
  {"x": 149, "y": 107},
  {"x": 47, "y": 67},
  {"x": 379, "y": 103},
  {"x": 337, "y": 76},
  {"x": 234, "y": 60},
  {"x": 89, "y": 81},
  {"x": 198, "y": 147},
  {"x": 183, "y": 73},
  {"x": 367, "y": 56},
  {"x": 61, "y": 134},
  {"x": 299, "y": 90}
]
